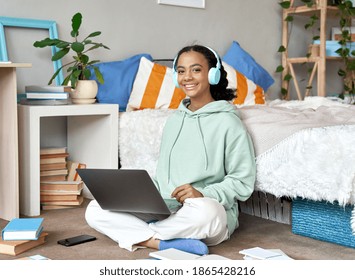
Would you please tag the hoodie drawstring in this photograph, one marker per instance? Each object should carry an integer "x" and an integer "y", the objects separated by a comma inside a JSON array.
[
  {"x": 202, "y": 140},
  {"x": 176, "y": 138}
]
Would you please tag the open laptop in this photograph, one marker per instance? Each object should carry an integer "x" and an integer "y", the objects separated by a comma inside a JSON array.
[{"x": 126, "y": 190}]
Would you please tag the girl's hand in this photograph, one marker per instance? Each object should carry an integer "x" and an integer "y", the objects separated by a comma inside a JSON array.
[{"x": 185, "y": 191}]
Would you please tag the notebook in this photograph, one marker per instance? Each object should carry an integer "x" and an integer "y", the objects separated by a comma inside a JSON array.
[{"x": 126, "y": 190}]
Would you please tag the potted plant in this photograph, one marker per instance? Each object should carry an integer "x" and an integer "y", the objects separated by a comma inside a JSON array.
[{"x": 80, "y": 68}]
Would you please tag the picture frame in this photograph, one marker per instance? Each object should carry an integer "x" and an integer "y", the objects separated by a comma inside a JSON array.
[
  {"x": 200, "y": 4},
  {"x": 51, "y": 26},
  {"x": 336, "y": 33}
]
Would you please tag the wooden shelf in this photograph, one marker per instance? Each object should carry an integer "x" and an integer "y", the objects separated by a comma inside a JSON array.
[
  {"x": 319, "y": 69},
  {"x": 308, "y": 11}
]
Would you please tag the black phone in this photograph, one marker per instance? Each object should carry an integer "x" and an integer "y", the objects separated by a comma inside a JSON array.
[{"x": 71, "y": 241}]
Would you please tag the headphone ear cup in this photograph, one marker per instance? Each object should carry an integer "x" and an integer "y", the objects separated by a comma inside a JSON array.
[
  {"x": 214, "y": 75},
  {"x": 175, "y": 79}
]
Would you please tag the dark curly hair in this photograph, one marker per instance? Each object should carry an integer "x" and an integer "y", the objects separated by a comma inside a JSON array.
[{"x": 219, "y": 91}]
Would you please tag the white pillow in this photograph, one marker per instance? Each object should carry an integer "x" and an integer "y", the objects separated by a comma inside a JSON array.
[
  {"x": 248, "y": 93},
  {"x": 153, "y": 88}
]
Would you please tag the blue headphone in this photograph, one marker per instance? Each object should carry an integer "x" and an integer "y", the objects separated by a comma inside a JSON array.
[{"x": 214, "y": 74}]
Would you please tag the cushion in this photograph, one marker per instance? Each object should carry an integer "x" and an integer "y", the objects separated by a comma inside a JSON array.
[
  {"x": 153, "y": 88},
  {"x": 248, "y": 93},
  {"x": 243, "y": 62},
  {"x": 119, "y": 77}
]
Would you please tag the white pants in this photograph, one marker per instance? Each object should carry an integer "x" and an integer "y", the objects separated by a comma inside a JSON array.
[{"x": 199, "y": 218}]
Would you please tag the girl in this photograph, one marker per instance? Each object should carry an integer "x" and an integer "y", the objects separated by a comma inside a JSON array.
[{"x": 206, "y": 163}]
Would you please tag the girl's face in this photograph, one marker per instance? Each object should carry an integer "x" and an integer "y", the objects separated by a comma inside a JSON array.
[{"x": 192, "y": 69}]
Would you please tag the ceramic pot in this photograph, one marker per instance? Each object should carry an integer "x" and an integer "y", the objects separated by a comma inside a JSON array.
[{"x": 85, "y": 92}]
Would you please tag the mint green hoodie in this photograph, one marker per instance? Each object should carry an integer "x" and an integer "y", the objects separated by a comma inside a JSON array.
[{"x": 211, "y": 150}]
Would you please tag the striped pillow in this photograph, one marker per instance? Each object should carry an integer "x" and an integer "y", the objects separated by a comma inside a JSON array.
[
  {"x": 248, "y": 93},
  {"x": 153, "y": 88}
]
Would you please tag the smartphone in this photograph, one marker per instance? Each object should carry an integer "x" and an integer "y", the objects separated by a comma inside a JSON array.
[{"x": 71, "y": 241}]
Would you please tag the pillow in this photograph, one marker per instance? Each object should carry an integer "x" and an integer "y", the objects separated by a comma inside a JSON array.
[
  {"x": 248, "y": 93},
  {"x": 154, "y": 88},
  {"x": 119, "y": 77},
  {"x": 243, "y": 62}
]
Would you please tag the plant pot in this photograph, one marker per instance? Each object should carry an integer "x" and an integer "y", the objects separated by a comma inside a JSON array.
[{"x": 85, "y": 92}]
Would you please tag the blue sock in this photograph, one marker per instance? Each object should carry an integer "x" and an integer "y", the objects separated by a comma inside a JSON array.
[{"x": 193, "y": 246}]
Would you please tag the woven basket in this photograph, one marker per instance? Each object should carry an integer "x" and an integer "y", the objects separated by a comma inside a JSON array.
[{"x": 323, "y": 221}]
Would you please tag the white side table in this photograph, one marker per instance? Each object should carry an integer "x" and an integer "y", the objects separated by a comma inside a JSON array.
[{"x": 92, "y": 138}]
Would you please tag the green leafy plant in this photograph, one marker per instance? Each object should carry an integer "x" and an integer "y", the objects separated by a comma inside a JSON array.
[{"x": 80, "y": 67}]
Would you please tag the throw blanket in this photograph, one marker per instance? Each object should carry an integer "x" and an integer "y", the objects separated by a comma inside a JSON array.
[{"x": 269, "y": 125}]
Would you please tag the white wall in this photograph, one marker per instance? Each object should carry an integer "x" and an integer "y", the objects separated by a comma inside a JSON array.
[{"x": 136, "y": 26}]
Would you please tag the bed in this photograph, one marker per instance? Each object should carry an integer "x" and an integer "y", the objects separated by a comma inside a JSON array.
[{"x": 304, "y": 149}]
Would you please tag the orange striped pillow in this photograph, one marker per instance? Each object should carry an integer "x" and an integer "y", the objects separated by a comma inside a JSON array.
[
  {"x": 153, "y": 88},
  {"x": 248, "y": 93}
]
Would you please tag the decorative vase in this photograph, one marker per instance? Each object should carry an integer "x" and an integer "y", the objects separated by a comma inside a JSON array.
[{"x": 84, "y": 92}]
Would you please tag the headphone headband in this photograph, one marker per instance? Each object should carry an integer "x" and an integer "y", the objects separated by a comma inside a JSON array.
[{"x": 218, "y": 65}]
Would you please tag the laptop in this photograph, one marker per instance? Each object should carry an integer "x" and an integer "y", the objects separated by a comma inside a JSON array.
[{"x": 126, "y": 190}]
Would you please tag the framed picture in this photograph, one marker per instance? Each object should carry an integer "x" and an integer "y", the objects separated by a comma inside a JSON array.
[
  {"x": 336, "y": 33},
  {"x": 184, "y": 3},
  {"x": 18, "y": 47}
]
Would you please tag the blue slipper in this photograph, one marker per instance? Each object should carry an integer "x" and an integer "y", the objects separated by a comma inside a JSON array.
[{"x": 193, "y": 246}]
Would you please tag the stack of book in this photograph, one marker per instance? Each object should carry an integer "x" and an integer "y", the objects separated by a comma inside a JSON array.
[
  {"x": 22, "y": 234},
  {"x": 53, "y": 164},
  {"x": 46, "y": 95},
  {"x": 60, "y": 185},
  {"x": 61, "y": 194}
]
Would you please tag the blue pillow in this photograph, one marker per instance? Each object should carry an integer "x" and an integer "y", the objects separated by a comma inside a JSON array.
[
  {"x": 119, "y": 77},
  {"x": 243, "y": 62}
]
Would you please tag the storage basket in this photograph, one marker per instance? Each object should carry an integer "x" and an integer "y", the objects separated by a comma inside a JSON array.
[
  {"x": 323, "y": 221},
  {"x": 267, "y": 206}
]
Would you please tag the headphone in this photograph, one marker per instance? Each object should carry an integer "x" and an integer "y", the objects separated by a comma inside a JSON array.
[{"x": 214, "y": 74}]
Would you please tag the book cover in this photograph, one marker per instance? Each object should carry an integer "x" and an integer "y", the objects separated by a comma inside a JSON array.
[
  {"x": 22, "y": 229},
  {"x": 47, "y": 88},
  {"x": 72, "y": 173},
  {"x": 78, "y": 201},
  {"x": 47, "y": 95},
  {"x": 61, "y": 185},
  {"x": 55, "y": 207},
  {"x": 34, "y": 258},
  {"x": 58, "y": 197},
  {"x": 50, "y": 156},
  {"x": 53, "y": 166},
  {"x": 44, "y": 102},
  {"x": 15, "y": 248},
  {"x": 53, "y": 178},
  {"x": 175, "y": 254},
  {"x": 53, "y": 150},
  {"x": 44, "y": 173},
  {"x": 60, "y": 192},
  {"x": 60, "y": 159}
]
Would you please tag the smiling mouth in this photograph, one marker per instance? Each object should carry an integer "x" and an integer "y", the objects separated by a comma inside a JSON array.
[{"x": 190, "y": 86}]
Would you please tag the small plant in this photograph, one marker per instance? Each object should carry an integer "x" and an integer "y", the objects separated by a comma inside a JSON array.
[{"x": 80, "y": 67}]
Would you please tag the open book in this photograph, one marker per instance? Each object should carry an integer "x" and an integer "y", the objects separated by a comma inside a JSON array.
[
  {"x": 175, "y": 254},
  {"x": 258, "y": 253}
]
